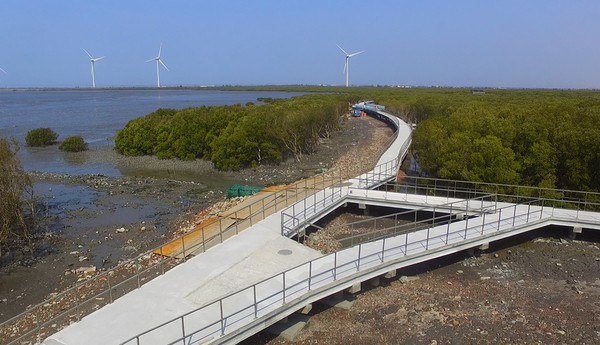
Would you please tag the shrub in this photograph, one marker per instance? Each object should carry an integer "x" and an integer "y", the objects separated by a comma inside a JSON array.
[
  {"x": 41, "y": 137},
  {"x": 14, "y": 185},
  {"x": 73, "y": 143}
]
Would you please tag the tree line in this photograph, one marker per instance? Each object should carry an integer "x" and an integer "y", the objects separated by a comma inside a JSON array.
[
  {"x": 548, "y": 139},
  {"x": 235, "y": 137},
  {"x": 545, "y": 138}
]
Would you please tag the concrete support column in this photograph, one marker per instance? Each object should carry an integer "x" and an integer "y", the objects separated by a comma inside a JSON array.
[
  {"x": 356, "y": 287},
  {"x": 390, "y": 274},
  {"x": 574, "y": 231},
  {"x": 307, "y": 308}
]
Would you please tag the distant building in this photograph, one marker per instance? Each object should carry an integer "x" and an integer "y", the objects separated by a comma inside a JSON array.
[{"x": 477, "y": 92}]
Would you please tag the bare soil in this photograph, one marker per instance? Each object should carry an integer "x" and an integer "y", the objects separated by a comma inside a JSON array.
[
  {"x": 98, "y": 221},
  {"x": 539, "y": 288}
]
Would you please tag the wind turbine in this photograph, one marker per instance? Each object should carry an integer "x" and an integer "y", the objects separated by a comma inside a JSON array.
[
  {"x": 158, "y": 61},
  {"x": 92, "y": 62},
  {"x": 346, "y": 66}
]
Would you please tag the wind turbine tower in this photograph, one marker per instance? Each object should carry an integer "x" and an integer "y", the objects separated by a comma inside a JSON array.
[
  {"x": 158, "y": 62},
  {"x": 346, "y": 64},
  {"x": 92, "y": 62}
]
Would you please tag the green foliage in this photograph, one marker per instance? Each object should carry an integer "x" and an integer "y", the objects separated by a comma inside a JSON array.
[
  {"x": 549, "y": 139},
  {"x": 546, "y": 138},
  {"x": 73, "y": 143},
  {"x": 41, "y": 137},
  {"x": 235, "y": 137},
  {"x": 14, "y": 182},
  {"x": 139, "y": 137}
]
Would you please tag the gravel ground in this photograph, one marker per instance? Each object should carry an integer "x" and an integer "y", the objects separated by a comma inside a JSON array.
[
  {"x": 539, "y": 288},
  {"x": 159, "y": 201}
]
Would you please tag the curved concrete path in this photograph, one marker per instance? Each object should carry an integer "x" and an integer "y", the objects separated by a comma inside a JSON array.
[{"x": 257, "y": 253}]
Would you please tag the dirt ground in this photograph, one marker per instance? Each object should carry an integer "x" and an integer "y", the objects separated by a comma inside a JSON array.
[
  {"x": 539, "y": 288},
  {"x": 97, "y": 221}
]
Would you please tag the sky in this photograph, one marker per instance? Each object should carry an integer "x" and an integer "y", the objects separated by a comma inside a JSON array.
[{"x": 470, "y": 43}]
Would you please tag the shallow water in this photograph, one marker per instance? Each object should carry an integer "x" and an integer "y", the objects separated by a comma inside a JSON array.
[{"x": 96, "y": 115}]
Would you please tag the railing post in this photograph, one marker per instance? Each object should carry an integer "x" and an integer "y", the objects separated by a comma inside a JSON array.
[
  {"x": 382, "y": 250},
  {"x": 137, "y": 272},
  {"x": 514, "y": 215},
  {"x": 334, "y": 266},
  {"x": 283, "y": 287},
  {"x": 77, "y": 303},
  {"x": 483, "y": 223},
  {"x": 499, "y": 218},
  {"x": 449, "y": 221},
  {"x": 255, "y": 302},
  {"x": 427, "y": 239},
  {"x": 183, "y": 247},
  {"x": 309, "y": 274},
  {"x": 250, "y": 215},
  {"x": 528, "y": 210},
  {"x": 182, "y": 331},
  {"x": 203, "y": 236},
  {"x": 358, "y": 261},
  {"x": 162, "y": 259},
  {"x": 110, "y": 296},
  {"x": 222, "y": 319}
]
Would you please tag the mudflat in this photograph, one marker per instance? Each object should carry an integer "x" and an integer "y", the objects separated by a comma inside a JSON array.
[{"x": 97, "y": 221}]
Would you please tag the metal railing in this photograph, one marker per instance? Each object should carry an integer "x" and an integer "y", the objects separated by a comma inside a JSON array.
[
  {"x": 409, "y": 221},
  {"x": 507, "y": 193},
  {"x": 283, "y": 292},
  {"x": 104, "y": 288},
  {"x": 298, "y": 216},
  {"x": 385, "y": 171}
]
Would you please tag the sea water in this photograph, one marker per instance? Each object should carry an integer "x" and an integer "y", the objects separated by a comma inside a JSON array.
[{"x": 97, "y": 116}]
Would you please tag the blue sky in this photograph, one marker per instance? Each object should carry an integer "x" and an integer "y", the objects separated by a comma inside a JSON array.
[{"x": 508, "y": 43}]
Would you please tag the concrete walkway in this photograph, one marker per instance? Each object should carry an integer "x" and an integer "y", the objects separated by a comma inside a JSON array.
[
  {"x": 255, "y": 254},
  {"x": 257, "y": 277}
]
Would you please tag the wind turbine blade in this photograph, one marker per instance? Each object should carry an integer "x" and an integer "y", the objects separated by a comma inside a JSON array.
[
  {"x": 3, "y": 70},
  {"x": 159, "y": 50},
  {"x": 88, "y": 53},
  {"x": 345, "y": 66},
  {"x": 341, "y": 49},
  {"x": 100, "y": 58},
  {"x": 353, "y": 54},
  {"x": 153, "y": 59},
  {"x": 162, "y": 63}
]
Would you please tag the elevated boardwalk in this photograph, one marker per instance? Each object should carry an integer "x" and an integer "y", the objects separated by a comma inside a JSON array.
[{"x": 260, "y": 276}]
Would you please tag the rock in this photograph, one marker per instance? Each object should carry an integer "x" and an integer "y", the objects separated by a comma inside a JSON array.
[
  {"x": 121, "y": 230},
  {"x": 143, "y": 228},
  {"x": 405, "y": 279},
  {"x": 459, "y": 272},
  {"x": 558, "y": 264},
  {"x": 86, "y": 270},
  {"x": 485, "y": 278}
]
